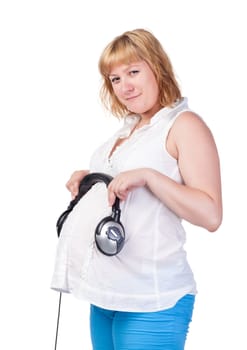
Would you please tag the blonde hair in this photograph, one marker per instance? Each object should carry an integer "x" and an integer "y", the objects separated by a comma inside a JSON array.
[{"x": 135, "y": 45}]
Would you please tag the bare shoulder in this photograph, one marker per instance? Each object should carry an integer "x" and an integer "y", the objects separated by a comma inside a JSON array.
[
  {"x": 188, "y": 130},
  {"x": 189, "y": 120}
]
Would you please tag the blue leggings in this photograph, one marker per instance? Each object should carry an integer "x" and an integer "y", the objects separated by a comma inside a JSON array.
[{"x": 161, "y": 330}]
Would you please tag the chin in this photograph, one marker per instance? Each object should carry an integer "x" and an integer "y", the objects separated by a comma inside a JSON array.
[{"x": 139, "y": 110}]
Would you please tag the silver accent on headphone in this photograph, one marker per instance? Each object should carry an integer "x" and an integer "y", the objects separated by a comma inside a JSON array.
[{"x": 110, "y": 238}]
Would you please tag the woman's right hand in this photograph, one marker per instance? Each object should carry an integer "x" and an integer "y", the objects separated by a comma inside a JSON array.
[{"x": 74, "y": 181}]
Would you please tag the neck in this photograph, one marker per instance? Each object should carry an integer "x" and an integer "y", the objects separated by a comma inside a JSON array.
[{"x": 146, "y": 116}]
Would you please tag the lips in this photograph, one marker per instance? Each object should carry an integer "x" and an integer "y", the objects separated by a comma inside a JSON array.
[{"x": 132, "y": 97}]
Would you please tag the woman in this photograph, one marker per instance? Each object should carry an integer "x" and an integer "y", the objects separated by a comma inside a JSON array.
[{"x": 165, "y": 168}]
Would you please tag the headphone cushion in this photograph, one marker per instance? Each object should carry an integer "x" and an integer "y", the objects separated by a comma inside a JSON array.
[{"x": 109, "y": 236}]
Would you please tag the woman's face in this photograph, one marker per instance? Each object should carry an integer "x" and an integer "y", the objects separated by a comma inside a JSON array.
[{"x": 136, "y": 87}]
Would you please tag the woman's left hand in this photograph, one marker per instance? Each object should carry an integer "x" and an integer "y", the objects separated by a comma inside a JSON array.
[{"x": 125, "y": 182}]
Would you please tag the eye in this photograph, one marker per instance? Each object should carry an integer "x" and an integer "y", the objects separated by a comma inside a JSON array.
[
  {"x": 134, "y": 72},
  {"x": 114, "y": 80}
]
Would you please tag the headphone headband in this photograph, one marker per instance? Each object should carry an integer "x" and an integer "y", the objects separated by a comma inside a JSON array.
[
  {"x": 85, "y": 185},
  {"x": 109, "y": 233},
  {"x": 91, "y": 179}
]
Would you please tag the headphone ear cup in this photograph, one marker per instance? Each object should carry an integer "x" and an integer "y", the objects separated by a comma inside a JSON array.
[{"x": 109, "y": 236}]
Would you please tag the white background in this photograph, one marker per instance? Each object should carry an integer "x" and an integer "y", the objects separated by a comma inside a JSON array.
[{"x": 51, "y": 121}]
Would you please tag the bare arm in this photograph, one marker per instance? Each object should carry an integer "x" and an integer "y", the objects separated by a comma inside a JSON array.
[{"x": 198, "y": 200}]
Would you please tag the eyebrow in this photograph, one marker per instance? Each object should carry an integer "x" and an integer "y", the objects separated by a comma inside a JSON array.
[{"x": 128, "y": 66}]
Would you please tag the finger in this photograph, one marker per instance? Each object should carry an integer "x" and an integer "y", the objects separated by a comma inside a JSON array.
[
  {"x": 74, "y": 194},
  {"x": 73, "y": 188},
  {"x": 111, "y": 197}
]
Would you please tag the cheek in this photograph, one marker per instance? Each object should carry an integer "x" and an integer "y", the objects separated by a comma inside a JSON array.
[
  {"x": 155, "y": 89},
  {"x": 150, "y": 84},
  {"x": 153, "y": 92},
  {"x": 116, "y": 91}
]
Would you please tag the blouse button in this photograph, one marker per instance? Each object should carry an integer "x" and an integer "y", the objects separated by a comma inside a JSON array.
[{"x": 110, "y": 163}]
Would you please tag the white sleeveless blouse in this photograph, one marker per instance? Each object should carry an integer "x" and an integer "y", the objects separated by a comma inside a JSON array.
[{"x": 151, "y": 272}]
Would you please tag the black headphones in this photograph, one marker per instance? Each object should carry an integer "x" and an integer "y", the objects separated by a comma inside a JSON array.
[{"x": 109, "y": 233}]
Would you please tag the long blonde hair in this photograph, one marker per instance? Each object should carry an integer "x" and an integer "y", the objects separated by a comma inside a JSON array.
[{"x": 135, "y": 45}]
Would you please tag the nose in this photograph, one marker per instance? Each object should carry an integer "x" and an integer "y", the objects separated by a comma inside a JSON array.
[{"x": 126, "y": 86}]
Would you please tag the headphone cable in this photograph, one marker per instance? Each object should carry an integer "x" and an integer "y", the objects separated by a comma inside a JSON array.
[{"x": 58, "y": 318}]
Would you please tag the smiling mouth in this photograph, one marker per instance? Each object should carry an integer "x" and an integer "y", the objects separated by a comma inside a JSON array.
[{"x": 132, "y": 97}]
